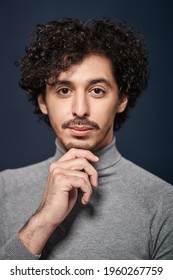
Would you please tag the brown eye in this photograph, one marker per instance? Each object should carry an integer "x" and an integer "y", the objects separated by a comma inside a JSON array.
[
  {"x": 98, "y": 92},
  {"x": 64, "y": 91}
]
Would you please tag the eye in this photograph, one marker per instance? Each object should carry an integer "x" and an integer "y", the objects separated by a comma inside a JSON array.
[
  {"x": 63, "y": 91},
  {"x": 98, "y": 91}
]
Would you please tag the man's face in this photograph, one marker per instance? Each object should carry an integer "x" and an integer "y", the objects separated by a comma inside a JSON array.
[{"x": 82, "y": 104}]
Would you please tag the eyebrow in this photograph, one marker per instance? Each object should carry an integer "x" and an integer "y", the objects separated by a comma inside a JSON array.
[
  {"x": 100, "y": 80},
  {"x": 59, "y": 82},
  {"x": 89, "y": 82}
]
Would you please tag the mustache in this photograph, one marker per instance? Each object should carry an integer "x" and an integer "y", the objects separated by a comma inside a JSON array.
[{"x": 80, "y": 121}]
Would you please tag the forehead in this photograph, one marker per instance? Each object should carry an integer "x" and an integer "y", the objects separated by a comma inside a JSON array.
[{"x": 92, "y": 66}]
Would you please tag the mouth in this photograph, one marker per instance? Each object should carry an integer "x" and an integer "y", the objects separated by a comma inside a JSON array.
[{"x": 81, "y": 130}]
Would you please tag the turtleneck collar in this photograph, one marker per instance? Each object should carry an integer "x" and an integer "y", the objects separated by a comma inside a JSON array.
[{"x": 108, "y": 156}]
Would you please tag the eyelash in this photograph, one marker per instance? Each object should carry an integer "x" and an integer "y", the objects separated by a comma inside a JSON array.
[
  {"x": 100, "y": 91},
  {"x": 59, "y": 91}
]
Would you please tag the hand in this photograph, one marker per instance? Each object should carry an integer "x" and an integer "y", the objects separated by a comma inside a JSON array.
[
  {"x": 71, "y": 172},
  {"x": 66, "y": 175}
]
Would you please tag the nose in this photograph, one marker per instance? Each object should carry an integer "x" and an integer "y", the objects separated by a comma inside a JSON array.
[{"x": 80, "y": 106}]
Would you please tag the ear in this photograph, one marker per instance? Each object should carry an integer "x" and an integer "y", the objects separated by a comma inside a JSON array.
[
  {"x": 42, "y": 104},
  {"x": 122, "y": 103}
]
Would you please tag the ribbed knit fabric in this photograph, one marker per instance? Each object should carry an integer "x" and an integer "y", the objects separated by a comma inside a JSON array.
[{"x": 130, "y": 214}]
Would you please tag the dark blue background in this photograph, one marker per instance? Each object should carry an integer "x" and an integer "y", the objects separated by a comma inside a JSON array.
[{"x": 146, "y": 138}]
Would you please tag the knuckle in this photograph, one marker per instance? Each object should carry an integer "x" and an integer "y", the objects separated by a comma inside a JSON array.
[
  {"x": 52, "y": 166},
  {"x": 58, "y": 176},
  {"x": 81, "y": 181},
  {"x": 83, "y": 161},
  {"x": 56, "y": 172},
  {"x": 53, "y": 171},
  {"x": 85, "y": 176},
  {"x": 73, "y": 152}
]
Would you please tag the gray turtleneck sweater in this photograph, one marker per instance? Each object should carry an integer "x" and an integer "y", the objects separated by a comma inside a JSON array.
[{"x": 130, "y": 214}]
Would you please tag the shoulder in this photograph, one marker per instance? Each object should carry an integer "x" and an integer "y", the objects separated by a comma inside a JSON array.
[
  {"x": 24, "y": 176},
  {"x": 147, "y": 187},
  {"x": 139, "y": 176}
]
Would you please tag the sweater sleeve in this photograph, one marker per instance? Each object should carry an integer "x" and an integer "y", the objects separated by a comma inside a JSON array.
[
  {"x": 14, "y": 249},
  {"x": 162, "y": 229},
  {"x": 10, "y": 248}
]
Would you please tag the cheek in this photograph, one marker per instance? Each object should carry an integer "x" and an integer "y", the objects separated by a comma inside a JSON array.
[
  {"x": 105, "y": 114},
  {"x": 54, "y": 116},
  {"x": 57, "y": 112}
]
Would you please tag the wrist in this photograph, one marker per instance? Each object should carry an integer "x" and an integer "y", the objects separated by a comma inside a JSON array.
[{"x": 35, "y": 233}]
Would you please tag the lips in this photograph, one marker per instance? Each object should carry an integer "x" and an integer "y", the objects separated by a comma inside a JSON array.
[{"x": 80, "y": 130}]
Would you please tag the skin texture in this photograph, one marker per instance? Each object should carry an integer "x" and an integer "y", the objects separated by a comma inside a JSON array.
[{"x": 81, "y": 106}]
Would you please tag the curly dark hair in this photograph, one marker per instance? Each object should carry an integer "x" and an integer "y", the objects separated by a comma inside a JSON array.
[{"x": 57, "y": 45}]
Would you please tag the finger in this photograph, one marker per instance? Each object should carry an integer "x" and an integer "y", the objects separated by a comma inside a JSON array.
[
  {"x": 71, "y": 172},
  {"x": 81, "y": 164},
  {"x": 79, "y": 153},
  {"x": 55, "y": 171},
  {"x": 79, "y": 183}
]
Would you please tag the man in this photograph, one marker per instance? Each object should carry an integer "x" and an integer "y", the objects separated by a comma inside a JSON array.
[{"x": 86, "y": 202}]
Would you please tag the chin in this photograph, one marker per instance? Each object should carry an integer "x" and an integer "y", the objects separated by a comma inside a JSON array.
[
  {"x": 79, "y": 145},
  {"x": 84, "y": 143}
]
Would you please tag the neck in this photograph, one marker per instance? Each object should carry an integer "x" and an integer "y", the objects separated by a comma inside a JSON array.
[{"x": 108, "y": 155}]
